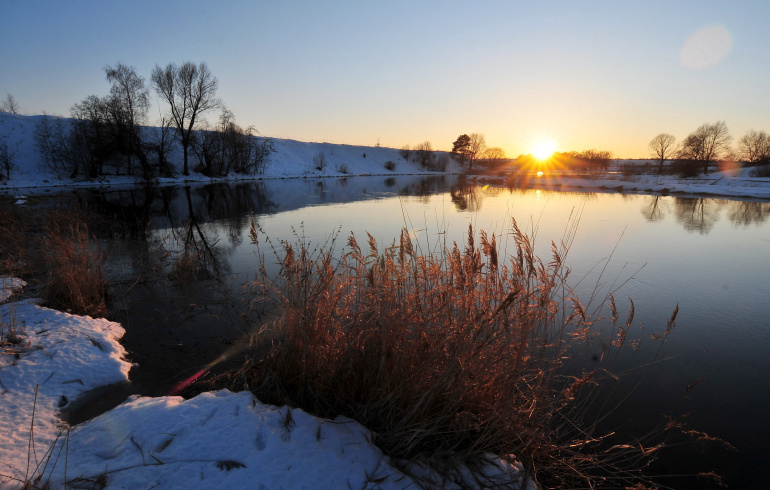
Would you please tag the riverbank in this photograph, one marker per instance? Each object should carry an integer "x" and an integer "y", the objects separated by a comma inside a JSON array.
[
  {"x": 300, "y": 160},
  {"x": 216, "y": 440},
  {"x": 726, "y": 182}
]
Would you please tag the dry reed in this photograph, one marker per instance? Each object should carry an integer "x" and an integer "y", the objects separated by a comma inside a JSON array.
[
  {"x": 76, "y": 280},
  {"x": 448, "y": 356}
]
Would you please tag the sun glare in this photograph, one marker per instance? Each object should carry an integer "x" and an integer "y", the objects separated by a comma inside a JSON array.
[{"x": 544, "y": 150}]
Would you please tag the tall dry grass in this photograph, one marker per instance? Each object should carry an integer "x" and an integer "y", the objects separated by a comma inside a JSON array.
[
  {"x": 448, "y": 356},
  {"x": 75, "y": 265},
  {"x": 57, "y": 250}
]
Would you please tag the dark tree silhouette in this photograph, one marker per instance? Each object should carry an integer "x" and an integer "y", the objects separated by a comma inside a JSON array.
[
  {"x": 10, "y": 105},
  {"x": 189, "y": 90},
  {"x": 707, "y": 144},
  {"x": 461, "y": 147},
  {"x": 129, "y": 100},
  {"x": 663, "y": 147},
  {"x": 754, "y": 147}
]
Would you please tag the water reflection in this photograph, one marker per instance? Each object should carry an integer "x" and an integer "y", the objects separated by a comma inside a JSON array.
[
  {"x": 654, "y": 209},
  {"x": 467, "y": 196},
  {"x": 700, "y": 214},
  {"x": 424, "y": 187},
  {"x": 697, "y": 213},
  {"x": 744, "y": 213}
]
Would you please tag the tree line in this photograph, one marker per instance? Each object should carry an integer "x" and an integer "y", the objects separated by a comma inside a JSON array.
[
  {"x": 108, "y": 133},
  {"x": 472, "y": 149},
  {"x": 708, "y": 144}
]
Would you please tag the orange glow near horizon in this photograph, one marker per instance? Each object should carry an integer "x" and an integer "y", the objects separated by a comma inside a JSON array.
[{"x": 544, "y": 150}]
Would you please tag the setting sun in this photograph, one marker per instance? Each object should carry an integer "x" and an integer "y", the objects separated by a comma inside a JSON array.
[{"x": 544, "y": 150}]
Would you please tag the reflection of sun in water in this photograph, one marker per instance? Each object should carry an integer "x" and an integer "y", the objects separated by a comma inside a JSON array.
[{"x": 544, "y": 150}]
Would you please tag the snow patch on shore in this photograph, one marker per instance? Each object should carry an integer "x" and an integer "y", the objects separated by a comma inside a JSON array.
[{"x": 216, "y": 440}]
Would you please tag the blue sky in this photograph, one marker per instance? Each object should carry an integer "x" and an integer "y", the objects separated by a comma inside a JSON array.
[{"x": 592, "y": 74}]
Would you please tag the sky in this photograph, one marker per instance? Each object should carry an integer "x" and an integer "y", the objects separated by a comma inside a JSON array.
[{"x": 608, "y": 75}]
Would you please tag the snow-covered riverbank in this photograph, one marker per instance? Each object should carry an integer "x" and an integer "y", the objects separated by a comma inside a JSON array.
[
  {"x": 291, "y": 159},
  {"x": 215, "y": 440},
  {"x": 726, "y": 182},
  {"x": 295, "y": 159}
]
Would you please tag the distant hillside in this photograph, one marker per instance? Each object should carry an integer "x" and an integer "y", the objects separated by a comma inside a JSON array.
[{"x": 290, "y": 159}]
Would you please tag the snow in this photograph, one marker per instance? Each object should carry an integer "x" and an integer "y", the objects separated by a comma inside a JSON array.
[
  {"x": 61, "y": 357},
  {"x": 291, "y": 159},
  {"x": 9, "y": 285},
  {"x": 216, "y": 440}
]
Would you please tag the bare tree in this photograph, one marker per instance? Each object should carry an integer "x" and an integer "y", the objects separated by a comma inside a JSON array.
[
  {"x": 707, "y": 144},
  {"x": 754, "y": 147},
  {"x": 663, "y": 147},
  {"x": 493, "y": 156},
  {"x": 7, "y": 159},
  {"x": 424, "y": 155},
  {"x": 190, "y": 90},
  {"x": 161, "y": 143},
  {"x": 475, "y": 148},
  {"x": 10, "y": 105},
  {"x": 129, "y": 101}
]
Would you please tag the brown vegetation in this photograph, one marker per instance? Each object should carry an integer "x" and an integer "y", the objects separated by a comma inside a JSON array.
[
  {"x": 57, "y": 247},
  {"x": 446, "y": 356}
]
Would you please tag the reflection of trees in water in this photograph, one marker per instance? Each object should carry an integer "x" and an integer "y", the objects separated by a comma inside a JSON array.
[
  {"x": 232, "y": 206},
  {"x": 425, "y": 188},
  {"x": 191, "y": 220},
  {"x": 467, "y": 196},
  {"x": 697, "y": 213},
  {"x": 655, "y": 209},
  {"x": 744, "y": 213},
  {"x": 700, "y": 214}
]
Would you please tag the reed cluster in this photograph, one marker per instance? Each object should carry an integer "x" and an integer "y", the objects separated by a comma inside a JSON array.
[
  {"x": 76, "y": 281},
  {"x": 56, "y": 249},
  {"x": 446, "y": 356}
]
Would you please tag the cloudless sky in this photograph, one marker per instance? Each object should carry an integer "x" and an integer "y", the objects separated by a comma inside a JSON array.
[{"x": 608, "y": 75}]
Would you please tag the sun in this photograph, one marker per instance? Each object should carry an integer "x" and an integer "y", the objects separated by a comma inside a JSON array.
[{"x": 544, "y": 150}]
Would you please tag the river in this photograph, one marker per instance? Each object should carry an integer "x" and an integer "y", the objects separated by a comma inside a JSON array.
[{"x": 708, "y": 256}]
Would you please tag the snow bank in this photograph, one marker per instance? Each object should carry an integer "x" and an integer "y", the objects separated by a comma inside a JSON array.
[
  {"x": 295, "y": 159},
  {"x": 215, "y": 440},
  {"x": 8, "y": 286},
  {"x": 61, "y": 358}
]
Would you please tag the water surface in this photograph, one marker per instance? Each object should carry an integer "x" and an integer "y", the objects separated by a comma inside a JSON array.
[{"x": 707, "y": 255}]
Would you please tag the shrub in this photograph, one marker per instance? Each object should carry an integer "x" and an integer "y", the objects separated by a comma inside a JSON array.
[
  {"x": 760, "y": 171},
  {"x": 319, "y": 161},
  {"x": 390, "y": 165},
  {"x": 76, "y": 281},
  {"x": 447, "y": 356},
  {"x": 343, "y": 168},
  {"x": 442, "y": 160},
  {"x": 686, "y": 168},
  {"x": 7, "y": 160},
  {"x": 11, "y": 331}
]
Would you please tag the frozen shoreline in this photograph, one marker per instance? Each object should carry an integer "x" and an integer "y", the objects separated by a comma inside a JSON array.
[{"x": 216, "y": 440}]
